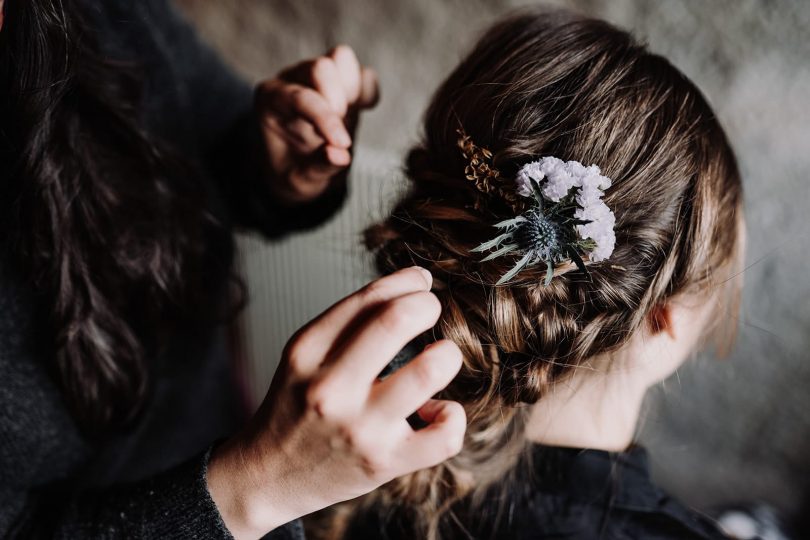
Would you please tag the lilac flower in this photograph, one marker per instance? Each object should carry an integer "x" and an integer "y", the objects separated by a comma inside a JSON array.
[
  {"x": 527, "y": 173},
  {"x": 600, "y": 229}
]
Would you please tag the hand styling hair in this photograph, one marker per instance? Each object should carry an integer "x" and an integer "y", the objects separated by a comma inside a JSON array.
[
  {"x": 109, "y": 226},
  {"x": 539, "y": 84}
]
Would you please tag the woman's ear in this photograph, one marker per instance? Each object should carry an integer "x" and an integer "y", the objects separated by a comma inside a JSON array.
[
  {"x": 669, "y": 336},
  {"x": 662, "y": 319}
]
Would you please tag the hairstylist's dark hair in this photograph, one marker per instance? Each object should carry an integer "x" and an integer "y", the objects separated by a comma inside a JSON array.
[
  {"x": 538, "y": 84},
  {"x": 109, "y": 227}
]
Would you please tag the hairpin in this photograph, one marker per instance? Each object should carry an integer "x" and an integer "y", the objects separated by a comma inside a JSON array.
[{"x": 566, "y": 218}]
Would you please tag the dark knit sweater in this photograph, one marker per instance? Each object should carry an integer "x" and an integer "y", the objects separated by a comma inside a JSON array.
[{"x": 148, "y": 482}]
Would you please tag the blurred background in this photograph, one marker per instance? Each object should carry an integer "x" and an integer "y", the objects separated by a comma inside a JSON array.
[{"x": 720, "y": 431}]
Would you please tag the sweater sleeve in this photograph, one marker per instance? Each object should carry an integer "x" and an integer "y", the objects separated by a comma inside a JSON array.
[
  {"x": 175, "y": 504},
  {"x": 43, "y": 457},
  {"x": 45, "y": 461},
  {"x": 217, "y": 112}
]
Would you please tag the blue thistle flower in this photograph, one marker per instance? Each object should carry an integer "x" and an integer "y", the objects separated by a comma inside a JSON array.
[{"x": 541, "y": 234}]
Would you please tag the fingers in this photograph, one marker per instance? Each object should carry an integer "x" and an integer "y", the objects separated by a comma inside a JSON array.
[
  {"x": 443, "y": 438},
  {"x": 349, "y": 71},
  {"x": 408, "y": 389},
  {"x": 314, "y": 341},
  {"x": 331, "y": 83},
  {"x": 298, "y": 133},
  {"x": 289, "y": 102},
  {"x": 360, "y": 83},
  {"x": 382, "y": 335},
  {"x": 312, "y": 110},
  {"x": 303, "y": 138},
  {"x": 340, "y": 77}
]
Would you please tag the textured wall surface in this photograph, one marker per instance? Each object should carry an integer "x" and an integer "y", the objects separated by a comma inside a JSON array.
[{"x": 720, "y": 431}]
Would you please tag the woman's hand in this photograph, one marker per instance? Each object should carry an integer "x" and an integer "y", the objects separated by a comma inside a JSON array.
[
  {"x": 329, "y": 430},
  {"x": 309, "y": 113}
]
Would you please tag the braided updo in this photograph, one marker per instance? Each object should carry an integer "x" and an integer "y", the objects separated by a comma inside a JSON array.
[{"x": 540, "y": 84}]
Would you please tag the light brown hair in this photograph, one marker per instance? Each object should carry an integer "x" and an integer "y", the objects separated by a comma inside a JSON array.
[{"x": 550, "y": 83}]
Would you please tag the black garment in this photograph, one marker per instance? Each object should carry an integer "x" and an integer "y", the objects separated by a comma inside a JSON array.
[
  {"x": 591, "y": 494},
  {"x": 560, "y": 494},
  {"x": 150, "y": 481}
]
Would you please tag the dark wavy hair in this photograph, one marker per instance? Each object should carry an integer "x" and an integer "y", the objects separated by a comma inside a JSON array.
[{"x": 108, "y": 224}]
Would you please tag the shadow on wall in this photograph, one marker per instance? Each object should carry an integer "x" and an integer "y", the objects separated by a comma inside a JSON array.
[{"x": 718, "y": 430}]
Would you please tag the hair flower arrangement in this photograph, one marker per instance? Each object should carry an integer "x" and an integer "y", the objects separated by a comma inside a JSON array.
[{"x": 566, "y": 218}]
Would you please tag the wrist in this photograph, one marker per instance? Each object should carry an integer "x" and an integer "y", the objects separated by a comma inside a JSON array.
[{"x": 233, "y": 484}]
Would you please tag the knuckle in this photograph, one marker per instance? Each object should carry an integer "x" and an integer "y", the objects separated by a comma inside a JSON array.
[
  {"x": 395, "y": 316},
  {"x": 374, "y": 457},
  {"x": 360, "y": 440},
  {"x": 320, "y": 67},
  {"x": 296, "y": 362},
  {"x": 298, "y": 352},
  {"x": 300, "y": 127},
  {"x": 321, "y": 399},
  {"x": 403, "y": 281},
  {"x": 374, "y": 292},
  {"x": 427, "y": 372},
  {"x": 376, "y": 467},
  {"x": 413, "y": 309},
  {"x": 300, "y": 98}
]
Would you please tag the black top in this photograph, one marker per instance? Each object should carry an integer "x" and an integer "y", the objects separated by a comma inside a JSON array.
[
  {"x": 590, "y": 494},
  {"x": 148, "y": 482},
  {"x": 562, "y": 493}
]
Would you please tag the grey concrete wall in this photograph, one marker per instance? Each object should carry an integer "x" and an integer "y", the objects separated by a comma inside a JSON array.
[{"x": 720, "y": 430}]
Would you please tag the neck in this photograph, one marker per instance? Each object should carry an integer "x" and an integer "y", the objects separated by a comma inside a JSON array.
[{"x": 594, "y": 409}]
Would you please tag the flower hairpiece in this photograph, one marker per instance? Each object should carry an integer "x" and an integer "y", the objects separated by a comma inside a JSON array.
[{"x": 566, "y": 218}]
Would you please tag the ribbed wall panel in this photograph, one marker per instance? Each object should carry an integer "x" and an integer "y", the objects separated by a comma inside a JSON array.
[{"x": 293, "y": 280}]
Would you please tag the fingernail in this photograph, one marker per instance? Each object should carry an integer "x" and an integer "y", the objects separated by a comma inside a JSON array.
[{"x": 427, "y": 275}]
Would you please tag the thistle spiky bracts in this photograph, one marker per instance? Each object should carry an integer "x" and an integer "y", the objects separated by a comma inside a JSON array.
[
  {"x": 566, "y": 218},
  {"x": 545, "y": 233}
]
